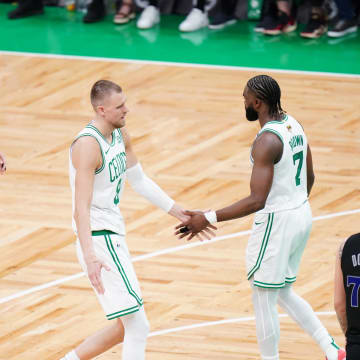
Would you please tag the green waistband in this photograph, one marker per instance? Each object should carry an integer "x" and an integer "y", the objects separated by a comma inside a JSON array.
[{"x": 102, "y": 232}]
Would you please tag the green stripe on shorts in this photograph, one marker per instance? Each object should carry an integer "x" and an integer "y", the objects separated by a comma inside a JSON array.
[
  {"x": 103, "y": 232},
  {"x": 121, "y": 269},
  {"x": 290, "y": 280},
  {"x": 123, "y": 312},
  {"x": 268, "y": 285},
  {"x": 263, "y": 246}
]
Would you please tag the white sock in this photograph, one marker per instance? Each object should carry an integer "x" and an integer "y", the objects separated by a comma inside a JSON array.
[
  {"x": 267, "y": 322},
  {"x": 71, "y": 356},
  {"x": 304, "y": 315},
  {"x": 327, "y": 343}
]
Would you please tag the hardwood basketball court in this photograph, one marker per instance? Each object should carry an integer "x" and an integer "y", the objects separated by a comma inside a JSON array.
[{"x": 191, "y": 136}]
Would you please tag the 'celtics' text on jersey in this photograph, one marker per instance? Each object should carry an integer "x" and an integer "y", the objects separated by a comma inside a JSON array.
[{"x": 108, "y": 183}]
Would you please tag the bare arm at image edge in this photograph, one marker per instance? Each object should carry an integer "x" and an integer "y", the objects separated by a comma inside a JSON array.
[
  {"x": 339, "y": 292},
  {"x": 2, "y": 164},
  {"x": 309, "y": 171}
]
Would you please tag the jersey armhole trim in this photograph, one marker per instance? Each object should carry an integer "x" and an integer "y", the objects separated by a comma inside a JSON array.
[
  {"x": 102, "y": 153},
  {"x": 274, "y": 132},
  {"x": 285, "y": 118}
]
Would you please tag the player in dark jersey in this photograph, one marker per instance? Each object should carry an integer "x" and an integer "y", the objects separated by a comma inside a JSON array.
[{"x": 346, "y": 295}]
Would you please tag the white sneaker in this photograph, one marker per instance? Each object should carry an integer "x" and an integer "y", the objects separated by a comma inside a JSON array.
[
  {"x": 148, "y": 18},
  {"x": 194, "y": 21}
]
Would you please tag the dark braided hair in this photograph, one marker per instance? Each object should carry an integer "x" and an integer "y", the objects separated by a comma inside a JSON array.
[{"x": 268, "y": 90}]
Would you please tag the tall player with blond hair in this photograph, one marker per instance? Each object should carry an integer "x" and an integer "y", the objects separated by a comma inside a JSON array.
[{"x": 101, "y": 158}]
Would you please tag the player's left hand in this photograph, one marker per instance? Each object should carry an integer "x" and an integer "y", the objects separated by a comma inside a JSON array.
[{"x": 196, "y": 225}]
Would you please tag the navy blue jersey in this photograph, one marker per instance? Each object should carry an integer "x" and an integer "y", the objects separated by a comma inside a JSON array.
[{"x": 350, "y": 265}]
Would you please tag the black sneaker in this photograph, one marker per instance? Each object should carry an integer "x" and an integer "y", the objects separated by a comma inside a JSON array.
[
  {"x": 265, "y": 22},
  {"x": 282, "y": 24},
  {"x": 315, "y": 27},
  {"x": 95, "y": 12},
  {"x": 220, "y": 20},
  {"x": 25, "y": 9},
  {"x": 343, "y": 27},
  {"x": 268, "y": 14}
]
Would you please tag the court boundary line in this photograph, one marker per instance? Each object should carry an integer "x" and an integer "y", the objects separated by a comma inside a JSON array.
[
  {"x": 225, "y": 321},
  {"x": 158, "y": 253},
  {"x": 170, "y": 63}
]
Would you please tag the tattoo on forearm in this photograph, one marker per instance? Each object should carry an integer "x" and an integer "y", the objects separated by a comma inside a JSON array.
[
  {"x": 343, "y": 322},
  {"x": 341, "y": 249}
]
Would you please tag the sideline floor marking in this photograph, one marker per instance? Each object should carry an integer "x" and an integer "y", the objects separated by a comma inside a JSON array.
[
  {"x": 165, "y": 63},
  {"x": 226, "y": 321},
  {"x": 158, "y": 253}
]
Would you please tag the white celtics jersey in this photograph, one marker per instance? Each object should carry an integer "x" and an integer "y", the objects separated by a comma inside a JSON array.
[
  {"x": 289, "y": 186},
  {"x": 108, "y": 183}
]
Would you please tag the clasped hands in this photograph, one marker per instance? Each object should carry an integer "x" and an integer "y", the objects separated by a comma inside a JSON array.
[{"x": 195, "y": 225}]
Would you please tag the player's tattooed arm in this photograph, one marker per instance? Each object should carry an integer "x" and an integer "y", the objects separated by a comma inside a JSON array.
[
  {"x": 343, "y": 323},
  {"x": 341, "y": 248}
]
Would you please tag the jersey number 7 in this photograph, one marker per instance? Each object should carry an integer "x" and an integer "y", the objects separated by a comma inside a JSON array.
[
  {"x": 298, "y": 156},
  {"x": 355, "y": 281}
]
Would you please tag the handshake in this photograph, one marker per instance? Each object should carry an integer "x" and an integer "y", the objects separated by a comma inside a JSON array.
[{"x": 196, "y": 223}]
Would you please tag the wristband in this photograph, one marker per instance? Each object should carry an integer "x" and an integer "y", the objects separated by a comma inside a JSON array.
[{"x": 211, "y": 217}]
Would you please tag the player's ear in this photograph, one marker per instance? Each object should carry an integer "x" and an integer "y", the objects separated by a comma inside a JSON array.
[
  {"x": 100, "y": 109},
  {"x": 257, "y": 103}
]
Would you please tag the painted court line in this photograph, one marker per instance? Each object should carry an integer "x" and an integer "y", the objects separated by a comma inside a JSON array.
[
  {"x": 158, "y": 253},
  {"x": 169, "y": 63},
  {"x": 226, "y": 321}
]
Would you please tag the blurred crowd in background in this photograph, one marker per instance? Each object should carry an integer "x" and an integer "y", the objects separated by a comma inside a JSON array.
[{"x": 336, "y": 18}]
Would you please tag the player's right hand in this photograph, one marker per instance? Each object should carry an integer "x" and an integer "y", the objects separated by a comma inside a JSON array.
[{"x": 94, "y": 266}]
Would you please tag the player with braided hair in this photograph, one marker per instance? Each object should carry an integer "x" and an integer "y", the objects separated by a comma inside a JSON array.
[{"x": 280, "y": 185}]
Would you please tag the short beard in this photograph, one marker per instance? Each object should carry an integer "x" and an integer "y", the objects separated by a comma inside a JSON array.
[{"x": 251, "y": 114}]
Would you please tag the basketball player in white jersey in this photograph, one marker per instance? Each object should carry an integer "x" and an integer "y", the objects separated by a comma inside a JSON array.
[
  {"x": 2, "y": 164},
  {"x": 101, "y": 157},
  {"x": 281, "y": 181}
]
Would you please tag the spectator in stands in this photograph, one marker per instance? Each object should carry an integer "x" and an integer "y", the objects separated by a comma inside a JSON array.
[
  {"x": 26, "y": 8},
  {"x": 317, "y": 25},
  {"x": 278, "y": 17},
  {"x": 125, "y": 13},
  {"x": 196, "y": 19},
  {"x": 225, "y": 16},
  {"x": 347, "y": 19},
  {"x": 96, "y": 11},
  {"x": 268, "y": 15}
]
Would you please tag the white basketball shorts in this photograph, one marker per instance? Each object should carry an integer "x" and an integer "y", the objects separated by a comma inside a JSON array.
[
  {"x": 122, "y": 294},
  {"x": 276, "y": 246}
]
